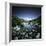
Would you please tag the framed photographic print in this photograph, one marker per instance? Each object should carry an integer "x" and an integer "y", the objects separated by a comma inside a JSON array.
[{"x": 24, "y": 21}]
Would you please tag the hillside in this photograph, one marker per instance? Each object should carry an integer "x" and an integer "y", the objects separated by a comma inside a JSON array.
[
  {"x": 18, "y": 21},
  {"x": 22, "y": 29}
]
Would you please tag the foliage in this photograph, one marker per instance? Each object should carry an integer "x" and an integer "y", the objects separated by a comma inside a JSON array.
[{"x": 25, "y": 33}]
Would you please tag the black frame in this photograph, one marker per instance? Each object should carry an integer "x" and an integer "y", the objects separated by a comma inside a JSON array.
[{"x": 17, "y": 4}]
